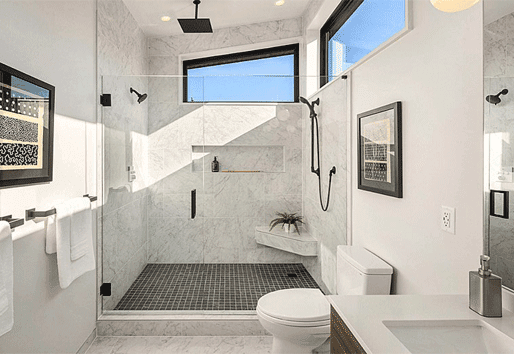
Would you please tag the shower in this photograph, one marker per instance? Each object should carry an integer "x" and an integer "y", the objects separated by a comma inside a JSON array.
[
  {"x": 495, "y": 99},
  {"x": 141, "y": 97},
  {"x": 195, "y": 25},
  {"x": 314, "y": 120}
]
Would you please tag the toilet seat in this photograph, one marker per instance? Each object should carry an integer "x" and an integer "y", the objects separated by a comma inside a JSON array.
[
  {"x": 295, "y": 307},
  {"x": 287, "y": 323}
]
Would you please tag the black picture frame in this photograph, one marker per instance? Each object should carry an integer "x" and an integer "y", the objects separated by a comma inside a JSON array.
[
  {"x": 27, "y": 116},
  {"x": 379, "y": 150},
  {"x": 499, "y": 204}
]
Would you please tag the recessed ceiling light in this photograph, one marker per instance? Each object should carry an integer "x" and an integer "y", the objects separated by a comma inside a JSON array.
[
  {"x": 279, "y": 2},
  {"x": 165, "y": 18}
]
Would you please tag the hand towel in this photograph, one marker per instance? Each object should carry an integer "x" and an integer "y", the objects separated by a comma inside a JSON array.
[
  {"x": 73, "y": 230},
  {"x": 50, "y": 231},
  {"x": 6, "y": 279},
  {"x": 81, "y": 227}
]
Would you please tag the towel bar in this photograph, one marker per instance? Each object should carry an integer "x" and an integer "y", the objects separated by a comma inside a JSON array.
[
  {"x": 32, "y": 213},
  {"x": 13, "y": 223},
  {"x": 93, "y": 199}
]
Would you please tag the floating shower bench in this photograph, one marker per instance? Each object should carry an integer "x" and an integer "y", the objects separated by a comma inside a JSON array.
[{"x": 303, "y": 244}]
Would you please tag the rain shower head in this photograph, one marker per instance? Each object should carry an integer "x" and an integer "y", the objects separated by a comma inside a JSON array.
[
  {"x": 195, "y": 25},
  {"x": 141, "y": 97},
  {"x": 495, "y": 99},
  {"x": 310, "y": 105}
]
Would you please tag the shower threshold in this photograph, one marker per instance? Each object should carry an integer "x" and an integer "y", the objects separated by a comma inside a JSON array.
[{"x": 208, "y": 289}]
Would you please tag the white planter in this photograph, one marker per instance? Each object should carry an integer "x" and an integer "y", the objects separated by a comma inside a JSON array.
[{"x": 289, "y": 228}]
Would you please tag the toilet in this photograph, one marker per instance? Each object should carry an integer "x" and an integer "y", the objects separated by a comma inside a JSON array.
[{"x": 299, "y": 319}]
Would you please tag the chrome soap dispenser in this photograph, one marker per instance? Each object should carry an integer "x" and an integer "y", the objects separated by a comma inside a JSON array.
[{"x": 485, "y": 290}]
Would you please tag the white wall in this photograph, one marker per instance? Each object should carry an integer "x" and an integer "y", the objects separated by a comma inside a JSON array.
[
  {"x": 436, "y": 71},
  {"x": 54, "y": 41}
]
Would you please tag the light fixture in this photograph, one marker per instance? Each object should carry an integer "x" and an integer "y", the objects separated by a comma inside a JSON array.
[
  {"x": 279, "y": 2},
  {"x": 453, "y": 5},
  {"x": 165, "y": 18}
]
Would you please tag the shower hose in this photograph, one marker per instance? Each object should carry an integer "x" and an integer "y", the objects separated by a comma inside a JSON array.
[{"x": 317, "y": 171}]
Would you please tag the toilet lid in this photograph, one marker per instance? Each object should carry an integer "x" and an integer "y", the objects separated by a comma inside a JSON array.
[{"x": 300, "y": 305}]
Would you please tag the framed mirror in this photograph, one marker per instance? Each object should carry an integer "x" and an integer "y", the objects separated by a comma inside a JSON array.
[{"x": 499, "y": 138}]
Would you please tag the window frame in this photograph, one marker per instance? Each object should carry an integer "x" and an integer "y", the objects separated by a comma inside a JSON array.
[
  {"x": 238, "y": 57},
  {"x": 337, "y": 19}
]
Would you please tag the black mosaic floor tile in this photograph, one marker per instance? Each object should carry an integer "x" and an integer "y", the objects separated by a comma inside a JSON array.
[{"x": 211, "y": 286}]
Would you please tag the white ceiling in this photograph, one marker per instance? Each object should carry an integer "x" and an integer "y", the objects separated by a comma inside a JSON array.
[{"x": 222, "y": 13}]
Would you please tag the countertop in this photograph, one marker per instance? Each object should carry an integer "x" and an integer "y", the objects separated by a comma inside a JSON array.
[{"x": 363, "y": 314}]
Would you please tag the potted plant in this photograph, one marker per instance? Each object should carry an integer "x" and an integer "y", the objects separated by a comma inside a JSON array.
[{"x": 287, "y": 221}]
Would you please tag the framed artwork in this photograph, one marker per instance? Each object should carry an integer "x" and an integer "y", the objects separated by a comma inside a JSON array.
[
  {"x": 26, "y": 128},
  {"x": 380, "y": 150}
]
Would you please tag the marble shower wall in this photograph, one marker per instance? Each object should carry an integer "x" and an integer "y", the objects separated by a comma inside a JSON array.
[
  {"x": 122, "y": 51},
  {"x": 230, "y": 205},
  {"x": 499, "y": 128},
  {"x": 329, "y": 227}
]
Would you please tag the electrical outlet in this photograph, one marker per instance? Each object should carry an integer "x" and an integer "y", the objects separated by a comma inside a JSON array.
[{"x": 448, "y": 219}]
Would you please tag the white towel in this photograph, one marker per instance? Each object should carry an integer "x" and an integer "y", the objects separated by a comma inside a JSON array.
[
  {"x": 81, "y": 227},
  {"x": 73, "y": 239},
  {"x": 6, "y": 279}
]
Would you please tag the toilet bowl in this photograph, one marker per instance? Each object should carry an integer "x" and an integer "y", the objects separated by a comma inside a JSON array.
[{"x": 299, "y": 319}]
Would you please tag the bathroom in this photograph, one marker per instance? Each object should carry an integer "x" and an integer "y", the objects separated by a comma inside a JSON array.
[{"x": 86, "y": 48}]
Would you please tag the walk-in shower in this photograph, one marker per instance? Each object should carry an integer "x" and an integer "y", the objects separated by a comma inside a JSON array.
[{"x": 182, "y": 237}]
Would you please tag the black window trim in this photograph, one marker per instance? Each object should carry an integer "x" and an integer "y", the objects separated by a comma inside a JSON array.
[
  {"x": 246, "y": 56},
  {"x": 337, "y": 19}
]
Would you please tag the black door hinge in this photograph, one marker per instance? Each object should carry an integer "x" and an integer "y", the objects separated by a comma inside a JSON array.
[
  {"x": 105, "y": 289},
  {"x": 105, "y": 100}
]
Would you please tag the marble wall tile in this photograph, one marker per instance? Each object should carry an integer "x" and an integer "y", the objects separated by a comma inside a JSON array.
[{"x": 329, "y": 227}]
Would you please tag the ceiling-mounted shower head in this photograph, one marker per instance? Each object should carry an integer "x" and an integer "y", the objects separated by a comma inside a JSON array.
[
  {"x": 141, "y": 97},
  {"x": 195, "y": 25},
  {"x": 495, "y": 99},
  {"x": 310, "y": 105}
]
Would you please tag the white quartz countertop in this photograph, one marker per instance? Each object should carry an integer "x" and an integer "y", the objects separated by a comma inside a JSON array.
[{"x": 364, "y": 316}]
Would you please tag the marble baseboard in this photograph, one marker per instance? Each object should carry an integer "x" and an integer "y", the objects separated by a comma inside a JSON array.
[
  {"x": 84, "y": 347},
  {"x": 212, "y": 327}
]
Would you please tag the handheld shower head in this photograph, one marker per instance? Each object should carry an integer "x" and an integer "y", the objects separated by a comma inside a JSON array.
[
  {"x": 141, "y": 97},
  {"x": 495, "y": 99},
  {"x": 310, "y": 105}
]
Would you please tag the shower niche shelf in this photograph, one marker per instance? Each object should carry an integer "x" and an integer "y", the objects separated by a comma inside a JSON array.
[
  {"x": 302, "y": 244},
  {"x": 239, "y": 158}
]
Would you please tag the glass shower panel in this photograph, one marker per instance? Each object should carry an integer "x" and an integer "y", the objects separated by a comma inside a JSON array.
[
  {"x": 499, "y": 165},
  {"x": 148, "y": 177}
]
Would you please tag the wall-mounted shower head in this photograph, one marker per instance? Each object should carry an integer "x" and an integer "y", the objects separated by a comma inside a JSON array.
[
  {"x": 141, "y": 97},
  {"x": 495, "y": 99},
  {"x": 310, "y": 105}
]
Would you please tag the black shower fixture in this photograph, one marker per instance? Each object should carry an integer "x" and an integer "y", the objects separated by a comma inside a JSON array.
[
  {"x": 141, "y": 97},
  {"x": 195, "y": 25},
  {"x": 495, "y": 99},
  {"x": 314, "y": 121}
]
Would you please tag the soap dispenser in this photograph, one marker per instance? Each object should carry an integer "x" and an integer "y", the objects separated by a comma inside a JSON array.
[
  {"x": 215, "y": 165},
  {"x": 485, "y": 290}
]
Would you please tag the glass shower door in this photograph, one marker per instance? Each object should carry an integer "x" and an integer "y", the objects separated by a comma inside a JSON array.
[{"x": 152, "y": 152}]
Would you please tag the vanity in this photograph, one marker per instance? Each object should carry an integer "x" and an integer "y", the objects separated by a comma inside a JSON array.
[{"x": 416, "y": 324}]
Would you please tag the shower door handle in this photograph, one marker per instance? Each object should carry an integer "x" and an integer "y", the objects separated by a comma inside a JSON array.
[{"x": 193, "y": 203}]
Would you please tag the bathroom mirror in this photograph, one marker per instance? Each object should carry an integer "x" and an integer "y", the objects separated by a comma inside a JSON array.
[{"x": 499, "y": 137}]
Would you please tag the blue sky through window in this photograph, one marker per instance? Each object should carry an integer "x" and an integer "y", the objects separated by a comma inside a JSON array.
[
  {"x": 373, "y": 23},
  {"x": 261, "y": 80}
]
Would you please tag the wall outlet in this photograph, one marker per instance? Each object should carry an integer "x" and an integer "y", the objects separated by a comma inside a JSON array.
[{"x": 448, "y": 219}]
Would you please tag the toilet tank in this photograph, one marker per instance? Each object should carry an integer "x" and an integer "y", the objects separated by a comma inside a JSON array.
[{"x": 360, "y": 272}]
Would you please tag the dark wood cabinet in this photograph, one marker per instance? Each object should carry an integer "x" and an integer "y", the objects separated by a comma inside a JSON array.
[{"x": 342, "y": 341}]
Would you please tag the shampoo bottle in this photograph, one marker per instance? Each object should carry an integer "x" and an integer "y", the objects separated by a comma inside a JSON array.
[{"x": 215, "y": 165}]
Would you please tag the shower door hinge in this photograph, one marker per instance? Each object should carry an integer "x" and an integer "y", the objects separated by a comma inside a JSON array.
[
  {"x": 105, "y": 100},
  {"x": 344, "y": 77},
  {"x": 105, "y": 289}
]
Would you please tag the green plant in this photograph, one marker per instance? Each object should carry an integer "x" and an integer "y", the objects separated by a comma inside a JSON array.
[{"x": 285, "y": 218}]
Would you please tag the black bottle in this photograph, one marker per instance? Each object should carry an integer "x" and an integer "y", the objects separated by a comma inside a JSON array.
[{"x": 215, "y": 165}]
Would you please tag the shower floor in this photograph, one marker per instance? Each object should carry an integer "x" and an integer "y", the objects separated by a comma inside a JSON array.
[{"x": 211, "y": 286}]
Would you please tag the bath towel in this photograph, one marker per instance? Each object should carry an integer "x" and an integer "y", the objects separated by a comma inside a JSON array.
[
  {"x": 6, "y": 279},
  {"x": 73, "y": 239}
]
